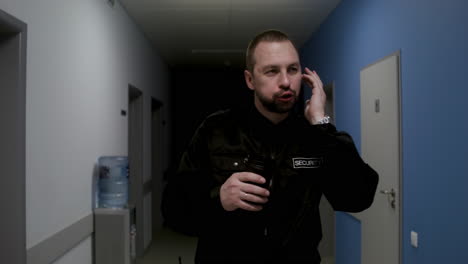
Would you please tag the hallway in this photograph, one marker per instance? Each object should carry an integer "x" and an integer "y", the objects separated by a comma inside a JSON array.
[{"x": 65, "y": 93}]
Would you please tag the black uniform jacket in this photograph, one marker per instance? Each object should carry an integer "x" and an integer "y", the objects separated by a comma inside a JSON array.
[{"x": 306, "y": 162}]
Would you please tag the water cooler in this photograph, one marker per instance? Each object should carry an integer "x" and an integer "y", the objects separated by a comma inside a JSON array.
[{"x": 114, "y": 218}]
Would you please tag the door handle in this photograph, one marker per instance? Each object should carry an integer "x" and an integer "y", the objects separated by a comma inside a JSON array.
[{"x": 391, "y": 194}]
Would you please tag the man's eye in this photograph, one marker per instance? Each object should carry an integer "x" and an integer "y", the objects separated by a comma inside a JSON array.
[
  {"x": 271, "y": 72},
  {"x": 293, "y": 70}
]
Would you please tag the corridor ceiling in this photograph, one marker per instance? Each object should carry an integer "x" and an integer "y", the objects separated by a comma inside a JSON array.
[{"x": 216, "y": 32}]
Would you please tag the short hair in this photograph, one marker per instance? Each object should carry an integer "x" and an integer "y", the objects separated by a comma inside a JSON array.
[{"x": 271, "y": 35}]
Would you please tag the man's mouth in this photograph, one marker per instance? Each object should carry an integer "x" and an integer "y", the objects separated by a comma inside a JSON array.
[{"x": 286, "y": 96}]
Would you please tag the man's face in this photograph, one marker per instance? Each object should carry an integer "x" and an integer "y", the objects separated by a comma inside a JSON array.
[{"x": 276, "y": 77}]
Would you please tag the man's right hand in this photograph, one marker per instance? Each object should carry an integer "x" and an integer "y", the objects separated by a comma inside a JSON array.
[{"x": 239, "y": 191}]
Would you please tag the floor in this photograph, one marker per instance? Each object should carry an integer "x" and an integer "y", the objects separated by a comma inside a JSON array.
[{"x": 169, "y": 247}]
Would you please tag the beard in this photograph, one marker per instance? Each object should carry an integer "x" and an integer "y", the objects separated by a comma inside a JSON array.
[{"x": 275, "y": 105}]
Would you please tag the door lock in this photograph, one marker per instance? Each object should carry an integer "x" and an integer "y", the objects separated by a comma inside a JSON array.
[{"x": 391, "y": 194}]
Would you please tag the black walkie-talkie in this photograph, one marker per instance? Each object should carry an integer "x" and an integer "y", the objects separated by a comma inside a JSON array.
[{"x": 262, "y": 166}]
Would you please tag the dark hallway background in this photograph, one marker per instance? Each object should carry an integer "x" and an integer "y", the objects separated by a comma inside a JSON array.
[{"x": 198, "y": 92}]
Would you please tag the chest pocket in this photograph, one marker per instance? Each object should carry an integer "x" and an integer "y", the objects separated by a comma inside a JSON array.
[
  {"x": 223, "y": 166},
  {"x": 300, "y": 171}
]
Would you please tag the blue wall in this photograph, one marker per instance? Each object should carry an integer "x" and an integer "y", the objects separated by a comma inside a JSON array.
[
  {"x": 348, "y": 230},
  {"x": 432, "y": 36}
]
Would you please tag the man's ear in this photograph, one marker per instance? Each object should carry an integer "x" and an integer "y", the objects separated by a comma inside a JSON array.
[{"x": 249, "y": 79}]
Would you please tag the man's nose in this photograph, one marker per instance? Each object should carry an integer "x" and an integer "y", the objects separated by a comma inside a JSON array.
[{"x": 284, "y": 81}]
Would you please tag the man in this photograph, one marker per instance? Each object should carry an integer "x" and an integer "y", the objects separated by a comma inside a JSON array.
[{"x": 250, "y": 182}]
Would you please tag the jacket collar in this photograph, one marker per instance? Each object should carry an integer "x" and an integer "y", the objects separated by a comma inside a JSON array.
[{"x": 262, "y": 127}]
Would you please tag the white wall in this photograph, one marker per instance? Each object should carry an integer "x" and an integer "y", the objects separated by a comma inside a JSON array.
[{"x": 81, "y": 56}]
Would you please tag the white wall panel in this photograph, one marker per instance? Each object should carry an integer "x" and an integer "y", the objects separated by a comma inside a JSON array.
[{"x": 80, "y": 254}]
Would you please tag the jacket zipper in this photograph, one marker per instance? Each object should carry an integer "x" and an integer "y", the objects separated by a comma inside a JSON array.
[{"x": 298, "y": 222}]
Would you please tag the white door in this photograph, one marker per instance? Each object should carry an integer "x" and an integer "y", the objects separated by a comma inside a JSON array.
[{"x": 381, "y": 148}]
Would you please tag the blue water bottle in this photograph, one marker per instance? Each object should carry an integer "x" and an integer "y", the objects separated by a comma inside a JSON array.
[{"x": 113, "y": 181}]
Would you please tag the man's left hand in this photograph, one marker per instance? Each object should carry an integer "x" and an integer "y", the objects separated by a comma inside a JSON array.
[{"x": 315, "y": 106}]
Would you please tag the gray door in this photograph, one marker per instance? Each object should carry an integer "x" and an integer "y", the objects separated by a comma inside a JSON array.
[
  {"x": 157, "y": 164},
  {"x": 327, "y": 214},
  {"x": 140, "y": 182},
  {"x": 12, "y": 139},
  {"x": 381, "y": 148},
  {"x": 139, "y": 196}
]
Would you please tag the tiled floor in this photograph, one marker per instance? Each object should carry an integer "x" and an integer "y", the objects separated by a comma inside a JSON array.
[{"x": 168, "y": 246}]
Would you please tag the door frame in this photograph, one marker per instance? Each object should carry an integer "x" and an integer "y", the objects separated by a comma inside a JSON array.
[{"x": 13, "y": 227}]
